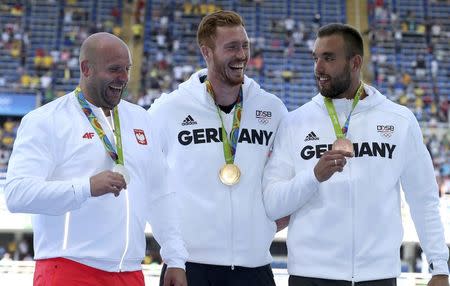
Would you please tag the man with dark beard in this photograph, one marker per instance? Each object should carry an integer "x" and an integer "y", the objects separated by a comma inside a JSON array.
[
  {"x": 336, "y": 169},
  {"x": 217, "y": 129},
  {"x": 88, "y": 170}
]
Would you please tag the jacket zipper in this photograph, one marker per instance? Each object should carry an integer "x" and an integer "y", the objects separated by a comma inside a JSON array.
[
  {"x": 352, "y": 198},
  {"x": 232, "y": 228},
  {"x": 127, "y": 230},
  {"x": 66, "y": 230}
]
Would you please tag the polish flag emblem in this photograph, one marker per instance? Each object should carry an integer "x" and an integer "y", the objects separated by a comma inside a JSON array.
[{"x": 140, "y": 136}]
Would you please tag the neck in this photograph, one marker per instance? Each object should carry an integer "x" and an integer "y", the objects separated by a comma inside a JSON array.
[
  {"x": 89, "y": 99},
  {"x": 86, "y": 94},
  {"x": 224, "y": 94},
  {"x": 351, "y": 92}
]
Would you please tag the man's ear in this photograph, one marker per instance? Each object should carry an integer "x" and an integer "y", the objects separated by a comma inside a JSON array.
[
  {"x": 85, "y": 68},
  {"x": 357, "y": 62},
  {"x": 206, "y": 52}
]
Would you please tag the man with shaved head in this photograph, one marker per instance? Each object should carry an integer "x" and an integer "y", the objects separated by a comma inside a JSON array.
[{"x": 89, "y": 170}]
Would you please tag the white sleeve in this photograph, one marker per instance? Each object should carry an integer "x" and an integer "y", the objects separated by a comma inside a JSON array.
[
  {"x": 284, "y": 189},
  {"x": 163, "y": 214},
  {"x": 164, "y": 219},
  {"x": 421, "y": 192},
  {"x": 32, "y": 161}
]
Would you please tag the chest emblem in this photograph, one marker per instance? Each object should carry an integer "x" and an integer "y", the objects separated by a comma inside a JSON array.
[
  {"x": 385, "y": 130},
  {"x": 263, "y": 116},
  {"x": 140, "y": 136}
]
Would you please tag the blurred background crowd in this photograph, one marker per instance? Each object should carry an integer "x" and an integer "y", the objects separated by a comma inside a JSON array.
[{"x": 407, "y": 57}]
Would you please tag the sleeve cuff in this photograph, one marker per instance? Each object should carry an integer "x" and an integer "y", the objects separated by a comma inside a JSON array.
[
  {"x": 313, "y": 180},
  {"x": 439, "y": 267},
  {"x": 176, "y": 263},
  {"x": 82, "y": 190},
  {"x": 307, "y": 181}
]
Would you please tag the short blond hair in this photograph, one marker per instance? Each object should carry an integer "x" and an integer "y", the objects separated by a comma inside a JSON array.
[{"x": 207, "y": 28}]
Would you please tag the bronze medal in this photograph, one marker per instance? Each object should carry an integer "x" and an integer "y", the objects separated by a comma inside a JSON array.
[
  {"x": 229, "y": 174},
  {"x": 343, "y": 144}
]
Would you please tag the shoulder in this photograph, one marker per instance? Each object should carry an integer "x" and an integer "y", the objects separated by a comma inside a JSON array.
[
  {"x": 166, "y": 104},
  {"x": 272, "y": 98},
  {"x": 262, "y": 97},
  {"x": 132, "y": 107},
  {"x": 308, "y": 111},
  {"x": 398, "y": 110},
  {"x": 45, "y": 113},
  {"x": 165, "y": 100},
  {"x": 186, "y": 92},
  {"x": 133, "y": 112}
]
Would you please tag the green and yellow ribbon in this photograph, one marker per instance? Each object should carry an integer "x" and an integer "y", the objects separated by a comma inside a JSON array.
[
  {"x": 229, "y": 146},
  {"x": 117, "y": 156}
]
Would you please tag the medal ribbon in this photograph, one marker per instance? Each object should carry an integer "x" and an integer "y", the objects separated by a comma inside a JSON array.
[
  {"x": 342, "y": 132},
  {"x": 229, "y": 146},
  {"x": 116, "y": 156}
]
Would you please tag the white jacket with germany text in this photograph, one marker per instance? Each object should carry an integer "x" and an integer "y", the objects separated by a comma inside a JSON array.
[
  {"x": 350, "y": 226},
  {"x": 221, "y": 225}
]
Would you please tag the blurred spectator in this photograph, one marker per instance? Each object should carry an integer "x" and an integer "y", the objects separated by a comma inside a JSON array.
[
  {"x": 434, "y": 68},
  {"x": 436, "y": 30},
  {"x": 419, "y": 66},
  {"x": 289, "y": 25},
  {"x": 65, "y": 55},
  {"x": 46, "y": 81},
  {"x": 116, "y": 13},
  {"x": 25, "y": 80},
  {"x": 5, "y": 153},
  {"x": 17, "y": 10},
  {"x": 287, "y": 75},
  {"x": 137, "y": 30}
]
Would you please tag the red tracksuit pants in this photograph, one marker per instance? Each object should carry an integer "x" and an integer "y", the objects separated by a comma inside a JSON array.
[{"x": 65, "y": 272}]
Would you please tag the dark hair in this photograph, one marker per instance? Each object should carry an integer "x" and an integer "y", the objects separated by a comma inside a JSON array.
[
  {"x": 352, "y": 38},
  {"x": 207, "y": 28}
]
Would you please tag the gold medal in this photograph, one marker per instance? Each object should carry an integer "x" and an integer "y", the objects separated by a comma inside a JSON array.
[
  {"x": 123, "y": 171},
  {"x": 343, "y": 144},
  {"x": 229, "y": 174}
]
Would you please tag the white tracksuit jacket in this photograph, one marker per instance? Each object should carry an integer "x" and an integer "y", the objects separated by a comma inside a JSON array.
[
  {"x": 55, "y": 154},
  {"x": 221, "y": 225},
  {"x": 350, "y": 227}
]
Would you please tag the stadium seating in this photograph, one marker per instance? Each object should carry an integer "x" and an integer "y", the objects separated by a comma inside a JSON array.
[{"x": 402, "y": 32}]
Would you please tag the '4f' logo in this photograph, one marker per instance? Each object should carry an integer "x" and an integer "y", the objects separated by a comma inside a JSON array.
[{"x": 88, "y": 135}]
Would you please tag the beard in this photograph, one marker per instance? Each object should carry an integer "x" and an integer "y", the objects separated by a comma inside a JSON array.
[
  {"x": 108, "y": 97},
  {"x": 227, "y": 74},
  {"x": 338, "y": 84}
]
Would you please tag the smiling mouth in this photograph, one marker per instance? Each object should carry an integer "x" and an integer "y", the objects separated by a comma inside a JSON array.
[
  {"x": 115, "y": 88},
  {"x": 323, "y": 79},
  {"x": 237, "y": 67}
]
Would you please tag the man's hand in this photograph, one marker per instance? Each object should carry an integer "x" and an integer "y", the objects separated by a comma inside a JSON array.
[
  {"x": 282, "y": 223},
  {"x": 175, "y": 277},
  {"x": 332, "y": 161},
  {"x": 438, "y": 280},
  {"x": 107, "y": 182}
]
